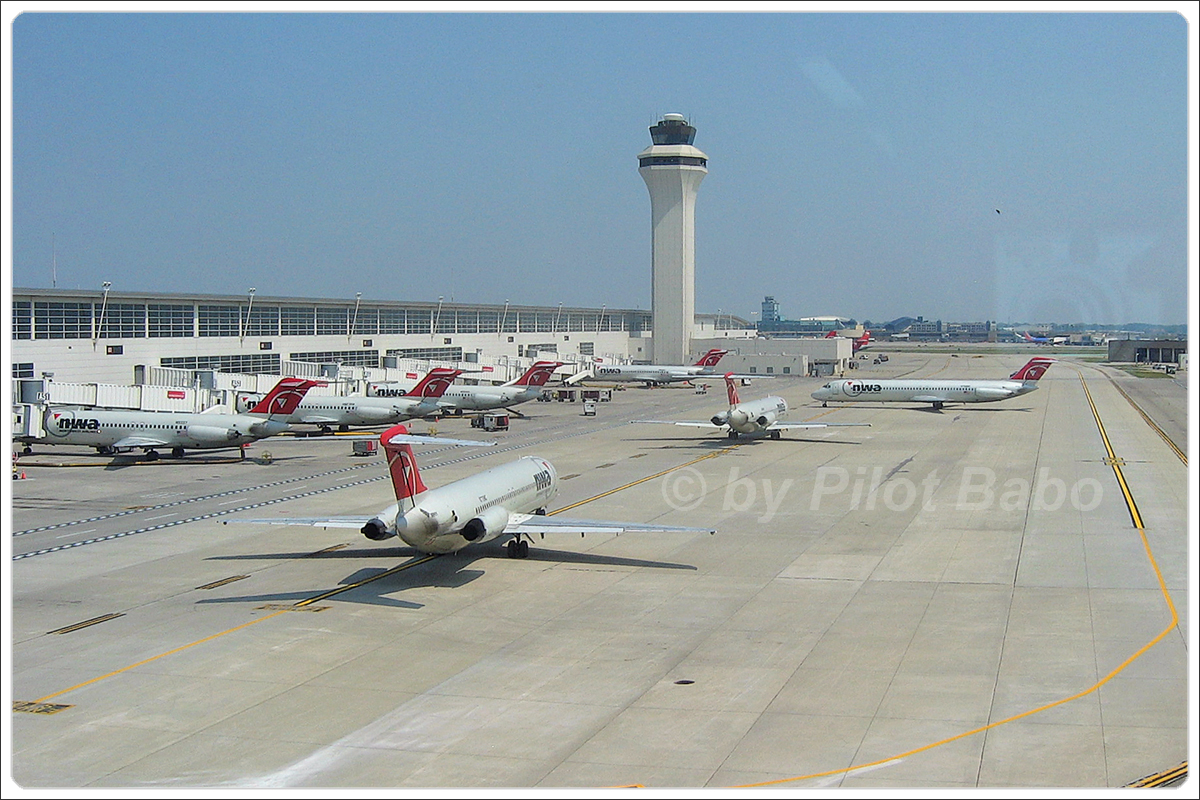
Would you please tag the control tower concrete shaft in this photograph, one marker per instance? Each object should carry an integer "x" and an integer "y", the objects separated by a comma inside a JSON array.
[{"x": 673, "y": 168}]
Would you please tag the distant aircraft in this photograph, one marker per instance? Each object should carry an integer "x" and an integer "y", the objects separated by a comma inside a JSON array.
[
  {"x": 1044, "y": 339},
  {"x": 506, "y": 500},
  {"x": 420, "y": 401},
  {"x": 483, "y": 398},
  {"x": 652, "y": 374},
  {"x": 113, "y": 431},
  {"x": 937, "y": 392},
  {"x": 855, "y": 344},
  {"x": 754, "y": 417}
]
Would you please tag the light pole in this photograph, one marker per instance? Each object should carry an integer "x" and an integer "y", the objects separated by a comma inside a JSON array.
[
  {"x": 600, "y": 321},
  {"x": 354, "y": 319},
  {"x": 245, "y": 325},
  {"x": 433, "y": 322},
  {"x": 556, "y": 317},
  {"x": 503, "y": 319},
  {"x": 103, "y": 308}
]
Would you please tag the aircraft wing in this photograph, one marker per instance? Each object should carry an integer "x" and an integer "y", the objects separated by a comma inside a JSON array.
[
  {"x": 138, "y": 440},
  {"x": 783, "y": 426},
  {"x": 311, "y": 522},
  {"x": 929, "y": 398},
  {"x": 543, "y": 523}
]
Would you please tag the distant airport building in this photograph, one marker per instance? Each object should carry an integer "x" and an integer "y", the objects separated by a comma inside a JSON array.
[
  {"x": 1147, "y": 351},
  {"x": 770, "y": 309},
  {"x": 672, "y": 168}
]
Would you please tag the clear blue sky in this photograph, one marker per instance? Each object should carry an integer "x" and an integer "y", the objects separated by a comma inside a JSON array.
[{"x": 857, "y": 162}]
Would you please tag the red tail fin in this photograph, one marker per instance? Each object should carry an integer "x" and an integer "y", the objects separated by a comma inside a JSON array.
[
  {"x": 402, "y": 464},
  {"x": 1035, "y": 369},
  {"x": 538, "y": 374},
  {"x": 731, "y": 390},
  {"x": 285, "y": 397},
  {"x": 435, "y": 383},
  {"x": 710, "y": 358},
  {"x": 831, "y": 335}
]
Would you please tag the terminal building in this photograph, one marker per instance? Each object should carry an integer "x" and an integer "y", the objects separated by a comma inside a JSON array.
[{"x": 113, "y": 337}]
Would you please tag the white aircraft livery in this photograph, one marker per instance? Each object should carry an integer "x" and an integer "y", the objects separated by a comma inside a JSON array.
[
  {"x": 753, "y": 417},
  {"x": 112, "y": 431},
  {"x": 651, "y": 374},
  {"x": 484, "y": 398},
  {"x": 506, "y": 500},
  {"x": 937, "y": 392},
  {"x": 326, "y": 411}
]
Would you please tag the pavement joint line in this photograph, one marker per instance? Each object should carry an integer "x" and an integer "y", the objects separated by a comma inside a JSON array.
[{"x": 1095, "y": 687}]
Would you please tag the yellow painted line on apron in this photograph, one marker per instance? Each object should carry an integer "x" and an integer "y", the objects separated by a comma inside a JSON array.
[
  {"x": 243, "y": 626},
  {"x": 1115, "y": 463},
  {"x": 667, "y": 471}
]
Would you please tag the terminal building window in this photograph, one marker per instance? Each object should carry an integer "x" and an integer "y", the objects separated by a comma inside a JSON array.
[
  {"x": 22, "y": 321},
  {"x": 297, "y": 321},
  {"x": 366, "y": 321},
  {"x": 253, "y": 364},
  {"x": 468, "y": 322},
  {"x": 391, "y": 321},
  {"x": 170, "y": 321},
  {"x": 22, "y": 370},
  {"x": 62, "y": 320},
  {"x": 122, "y": 321},
  {"x": 220, "y": 321},
  {"x": 420, "y": 322},
  {"x": 349, "y": 358},
  {"x": 262, "y": 321},
  {"x": 429, "y": 353},
  {"x": 332, "y": 321}
]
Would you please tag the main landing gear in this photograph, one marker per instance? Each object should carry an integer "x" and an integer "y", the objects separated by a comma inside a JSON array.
[{"x": 518, "y": 548}]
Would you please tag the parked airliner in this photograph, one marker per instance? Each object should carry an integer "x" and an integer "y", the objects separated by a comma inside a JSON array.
[
  {"x": 937, "y": 392},
  {"x": 753, "y": 417},
  {"x": 326, "y": 411},
  {"x": 484, "y": 398},
  {"x": 113, "y": 431},
  {"x": 506, "y": 500},
  {"x": 652, "y": 374}
]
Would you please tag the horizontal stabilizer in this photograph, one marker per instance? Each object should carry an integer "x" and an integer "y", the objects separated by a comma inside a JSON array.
[
  {"x": 540, "y": 523},
  {"x": 783, "y": 426},
  {"x": 312, "y": 522}
]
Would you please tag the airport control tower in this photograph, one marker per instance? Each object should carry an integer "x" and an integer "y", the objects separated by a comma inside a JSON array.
[{"x": 673, "y": 168}]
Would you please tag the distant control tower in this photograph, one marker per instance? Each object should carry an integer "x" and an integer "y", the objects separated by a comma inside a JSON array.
[{"x": 673, "y": 169}]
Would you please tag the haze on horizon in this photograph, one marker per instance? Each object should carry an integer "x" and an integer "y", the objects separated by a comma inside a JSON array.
[{"x": 962, "y": 166}]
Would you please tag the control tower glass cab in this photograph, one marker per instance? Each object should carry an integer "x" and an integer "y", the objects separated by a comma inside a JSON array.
[{"x": 672, "y": 167}]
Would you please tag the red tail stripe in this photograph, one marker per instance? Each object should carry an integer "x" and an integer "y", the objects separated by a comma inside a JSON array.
[
  {"x": 402, "y": 464},
  {"x": 731, "y": 389}
]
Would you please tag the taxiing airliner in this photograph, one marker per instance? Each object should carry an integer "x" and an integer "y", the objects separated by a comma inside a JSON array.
[
  {"x": 484, "y": 398},
  {"x": 753, "y": 417},
  {"x": 422, "y": 400},
  {"x": 937, "y": 392},
  {"x": 113, "y": 431},
  {"x": 506, "y": 500},
  {"x": 652, "y": 374}
]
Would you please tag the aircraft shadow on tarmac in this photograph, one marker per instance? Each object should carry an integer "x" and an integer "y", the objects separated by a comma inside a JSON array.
[
  {"x": 123, "y": 461},
  {"x": 444, "y": 572},
  {"x": 724, "y": 441}
]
